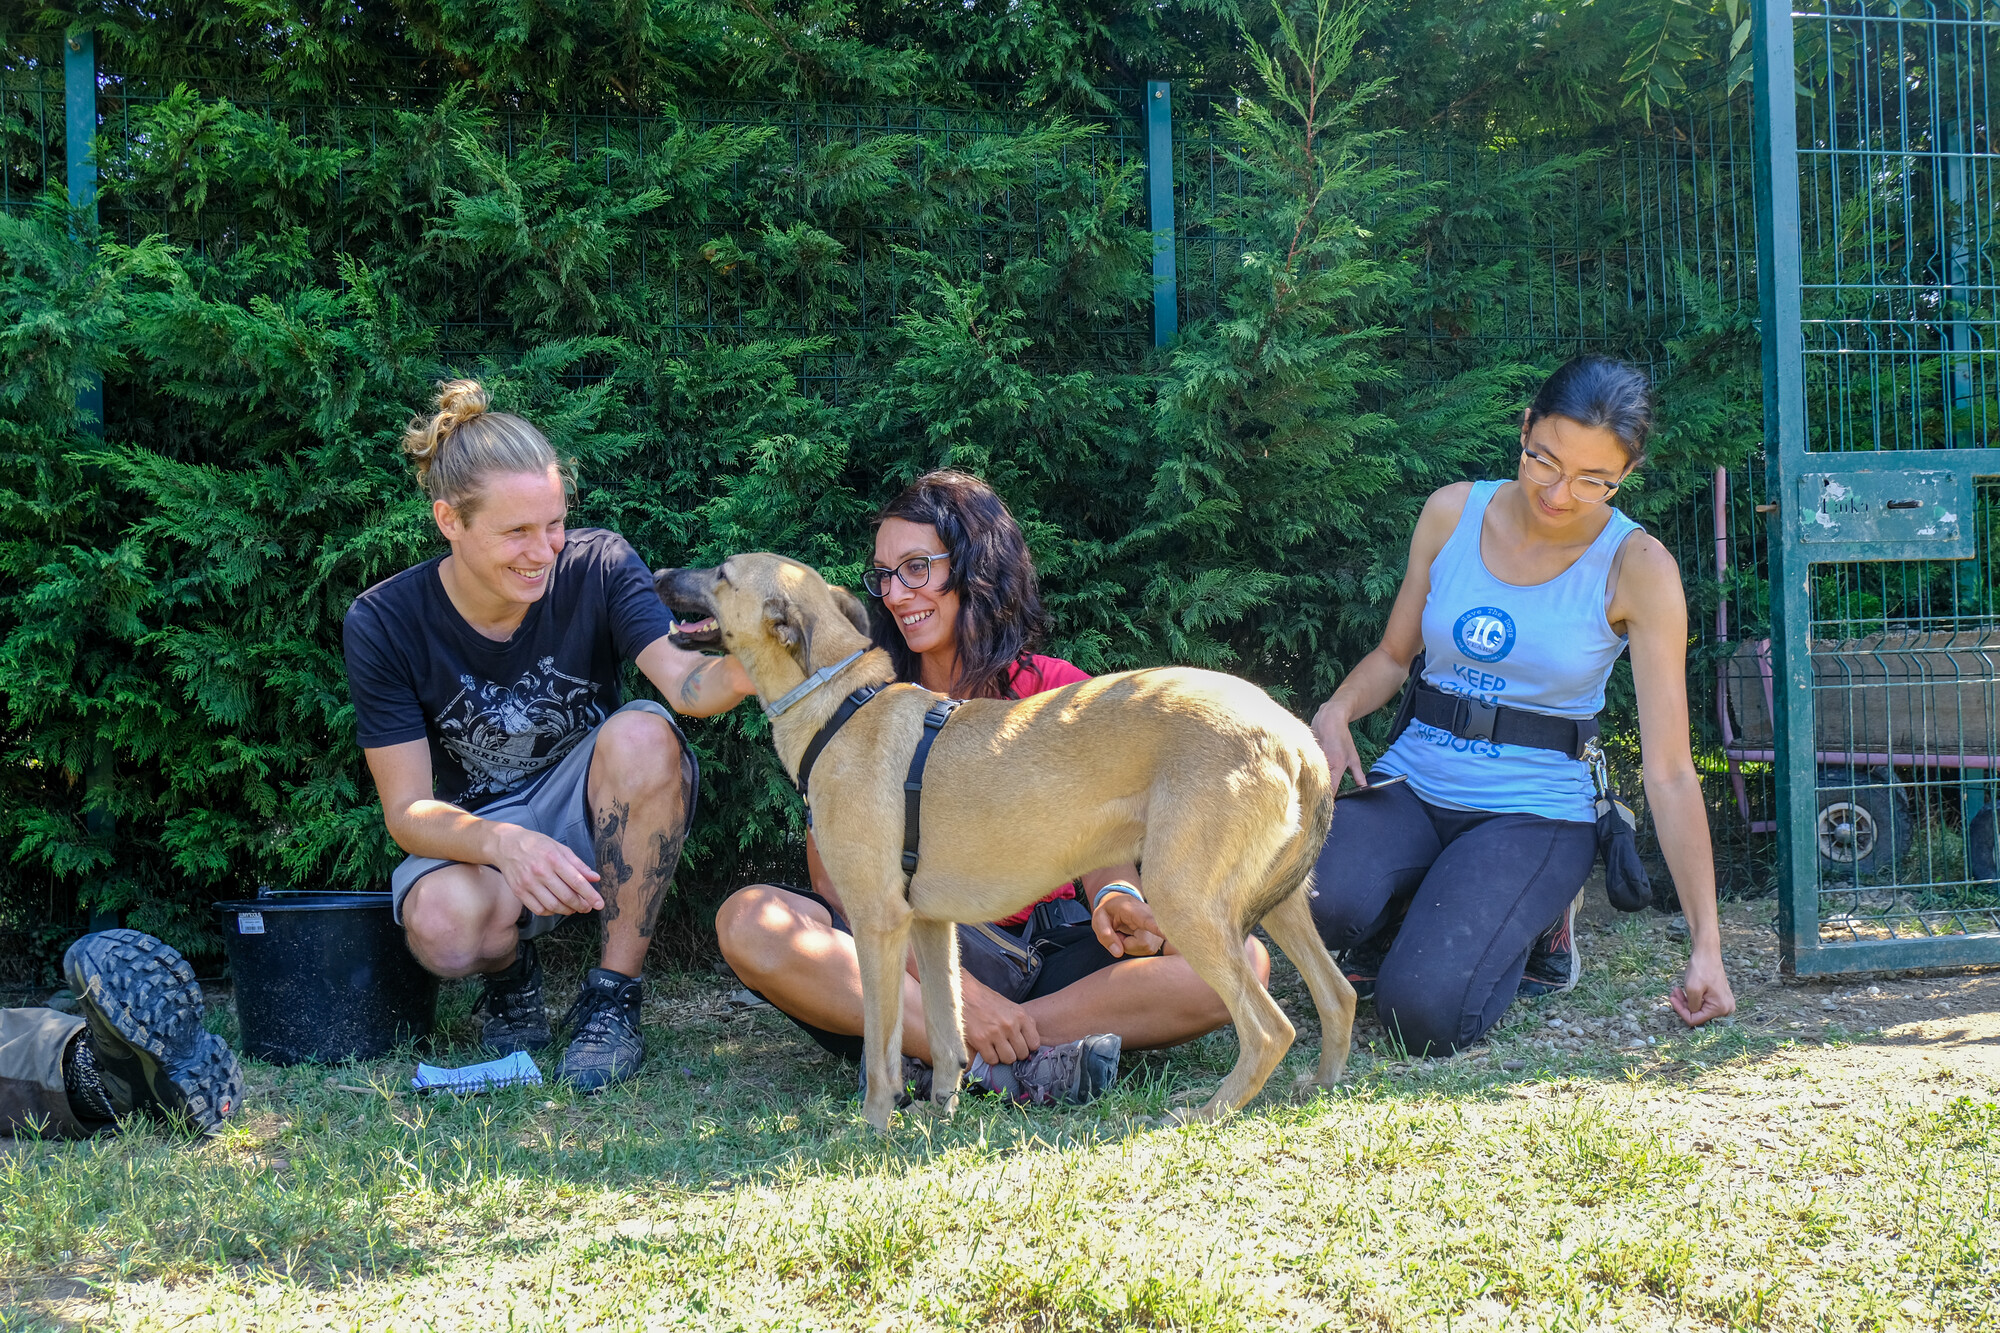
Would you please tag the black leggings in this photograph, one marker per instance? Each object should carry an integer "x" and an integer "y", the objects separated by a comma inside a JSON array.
[{"x": 1478, "y": 888}]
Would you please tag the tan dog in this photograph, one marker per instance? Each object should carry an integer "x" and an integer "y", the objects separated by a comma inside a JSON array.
[{"x": 1221, "y": 794}]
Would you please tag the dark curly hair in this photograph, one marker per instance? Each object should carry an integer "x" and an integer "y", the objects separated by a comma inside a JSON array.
[{"x": 1000, "y": 616}]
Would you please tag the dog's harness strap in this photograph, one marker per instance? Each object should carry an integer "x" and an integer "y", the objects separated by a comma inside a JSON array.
[
  {"x": 848, "y": 707},
  {"x": 913, "y": 785},
  {"x": 811, "y": 683}
]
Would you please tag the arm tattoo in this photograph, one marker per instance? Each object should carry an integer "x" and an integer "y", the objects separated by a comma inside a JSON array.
[
  {"x": 612, "y": 867},
  {"x": 691, "y": 683}
]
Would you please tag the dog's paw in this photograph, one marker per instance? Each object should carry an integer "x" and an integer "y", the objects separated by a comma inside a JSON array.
[{"x": 1194, "y": 1107}]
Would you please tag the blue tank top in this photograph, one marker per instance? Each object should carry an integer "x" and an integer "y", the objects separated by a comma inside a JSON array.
[{"x": 1545, "y": 648}]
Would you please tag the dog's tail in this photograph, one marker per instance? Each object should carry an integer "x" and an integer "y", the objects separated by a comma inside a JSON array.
[{"x": 1293, "y": 868}]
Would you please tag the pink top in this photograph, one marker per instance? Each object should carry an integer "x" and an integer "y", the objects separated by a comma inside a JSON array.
[{"x": 1039, "y": 675}]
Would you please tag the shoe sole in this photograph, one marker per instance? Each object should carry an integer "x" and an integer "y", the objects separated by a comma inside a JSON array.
[
  {"x": 144, "y": 1010},
  {"x": 590, "y": 1081}
]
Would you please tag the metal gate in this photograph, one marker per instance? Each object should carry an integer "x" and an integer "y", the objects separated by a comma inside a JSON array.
[{"x": 1876, "y": 198}]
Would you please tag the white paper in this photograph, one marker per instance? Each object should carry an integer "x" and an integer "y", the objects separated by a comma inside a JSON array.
[{"x": 516, "y": 1070}]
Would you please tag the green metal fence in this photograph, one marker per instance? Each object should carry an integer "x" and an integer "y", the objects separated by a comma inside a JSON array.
[
  {"x": 1642, "y": 246},
  {"x": 1884, "y": 667}
]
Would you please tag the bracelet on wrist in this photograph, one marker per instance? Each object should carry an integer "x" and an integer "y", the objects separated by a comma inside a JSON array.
[{"x": 1116, "y": 886}]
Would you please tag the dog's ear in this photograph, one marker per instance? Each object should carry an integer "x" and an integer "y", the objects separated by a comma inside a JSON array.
[
  {"x": 851, "y": 607},
  {"x": 782, "y": 618}
]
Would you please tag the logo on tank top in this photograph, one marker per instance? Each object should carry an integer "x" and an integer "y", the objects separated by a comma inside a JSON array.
[{"x": 1484, "y": 634}]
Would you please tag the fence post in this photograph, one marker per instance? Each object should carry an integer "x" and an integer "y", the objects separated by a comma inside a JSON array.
[
  {"x": 80, "y": 140},
  {"x": 1160, "y": 198},
  {"x": 1780, "y": 276}
]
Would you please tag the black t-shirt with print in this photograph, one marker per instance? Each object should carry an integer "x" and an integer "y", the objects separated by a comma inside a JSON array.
[{"x": 498, "y": 715}]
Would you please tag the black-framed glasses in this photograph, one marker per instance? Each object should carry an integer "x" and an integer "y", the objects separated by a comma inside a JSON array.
[
  {"x": 1545, "y": 472},
  {"x": 914, "y": 572}
]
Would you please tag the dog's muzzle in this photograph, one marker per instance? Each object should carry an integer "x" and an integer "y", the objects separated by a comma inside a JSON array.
[{"x": 694, "y": 615}]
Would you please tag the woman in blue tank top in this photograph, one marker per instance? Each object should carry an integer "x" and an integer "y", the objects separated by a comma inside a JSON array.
[{"x": 1440, "y": 888}]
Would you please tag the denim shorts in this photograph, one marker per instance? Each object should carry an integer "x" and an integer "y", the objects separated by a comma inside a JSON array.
[{"x": 557, "y": 803}]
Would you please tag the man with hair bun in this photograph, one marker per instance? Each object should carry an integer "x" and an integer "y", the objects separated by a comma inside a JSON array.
[{"x": 486, "y": 696}]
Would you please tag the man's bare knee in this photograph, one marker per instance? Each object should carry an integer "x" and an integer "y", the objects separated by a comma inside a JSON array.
[
  {"x": 637, "y": 755},
  {"x": 445, "y": 923}
]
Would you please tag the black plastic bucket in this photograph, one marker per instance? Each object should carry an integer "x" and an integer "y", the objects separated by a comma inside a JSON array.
[{"x": 324, "y": 976}]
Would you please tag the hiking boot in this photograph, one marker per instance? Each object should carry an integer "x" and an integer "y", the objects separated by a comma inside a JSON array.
[
  {"x": 1074, "y": 1072},
  {"x": 1553, "y": 962},
  {"x": 143, "y": 1047},
  {"x": 604, "y": 1046},
  {"x": 515, "y": 1019},
  {"x": 916, "y": 1081}
]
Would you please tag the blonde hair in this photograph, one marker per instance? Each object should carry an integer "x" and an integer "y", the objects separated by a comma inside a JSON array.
[{"x": 461, "y": 444}]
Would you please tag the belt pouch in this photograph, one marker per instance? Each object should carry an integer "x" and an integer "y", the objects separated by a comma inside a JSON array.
[{"x": 1003, "y": 964}]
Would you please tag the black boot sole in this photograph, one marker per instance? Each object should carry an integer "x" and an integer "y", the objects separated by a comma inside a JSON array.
[{"x": 143, "y": 1008}]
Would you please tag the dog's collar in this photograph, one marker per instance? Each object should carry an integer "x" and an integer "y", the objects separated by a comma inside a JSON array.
[
  {"x": 811, "y": 683},
  {"x": 848, "y": 707}
]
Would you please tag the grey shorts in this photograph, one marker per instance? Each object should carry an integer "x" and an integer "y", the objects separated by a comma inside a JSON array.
[{"x": 556, "y": 804}]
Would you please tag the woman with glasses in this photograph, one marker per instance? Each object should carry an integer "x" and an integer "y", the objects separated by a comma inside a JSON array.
[
  {"x": 952, "y": 597},
  {"x": 1442, "y": 885}
]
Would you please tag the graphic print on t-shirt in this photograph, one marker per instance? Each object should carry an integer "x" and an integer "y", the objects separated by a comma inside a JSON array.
[
  {"x": 1485, "y": 633},
  {"x": 495, "y": 731}
]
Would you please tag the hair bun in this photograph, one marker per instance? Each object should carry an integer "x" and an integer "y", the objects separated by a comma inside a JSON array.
[
  {"x": 481, "y": 442},
  {"x": 461, "y": 400},
  {"x": 458, "y": 401}
]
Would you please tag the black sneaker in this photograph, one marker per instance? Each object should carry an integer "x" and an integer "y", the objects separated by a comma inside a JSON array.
[
  {"x": 1553, "y": 962},
  {"x": 604, "y": 1046},
  {"x": 146, "y": 1045},
  {"x": 1073, "y": 1072},
  {"x": 1363, "y": 963},
  {"x": 514, "y": 1017}
]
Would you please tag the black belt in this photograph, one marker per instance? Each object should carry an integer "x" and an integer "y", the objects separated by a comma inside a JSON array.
[{"x": 1476, "y": 720}]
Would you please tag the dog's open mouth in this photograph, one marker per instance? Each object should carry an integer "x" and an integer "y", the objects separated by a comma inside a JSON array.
[{"x": 690, "y": 633}]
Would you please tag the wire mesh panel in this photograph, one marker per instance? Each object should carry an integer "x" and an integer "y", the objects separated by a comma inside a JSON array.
[
  {"x": 32, "y": 144},
  {"x": 1884, "y": 694},
  {"x": 824, "y": 221}
]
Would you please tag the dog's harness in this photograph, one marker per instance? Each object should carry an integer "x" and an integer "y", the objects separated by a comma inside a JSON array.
[
  {"x": 913, "y": 782},
  {"x": 848, "y": 708}
]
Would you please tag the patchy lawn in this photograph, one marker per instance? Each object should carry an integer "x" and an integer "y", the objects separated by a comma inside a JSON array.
[{"x": 1826, "y": 1161}]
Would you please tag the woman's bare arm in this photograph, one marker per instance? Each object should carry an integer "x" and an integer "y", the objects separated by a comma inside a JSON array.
[
  {"x": 1653, "y": 608},
  {"x": 1376, "y": 678}
]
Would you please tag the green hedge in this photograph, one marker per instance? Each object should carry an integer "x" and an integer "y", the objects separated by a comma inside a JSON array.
[{"x": 749, "y": 322}]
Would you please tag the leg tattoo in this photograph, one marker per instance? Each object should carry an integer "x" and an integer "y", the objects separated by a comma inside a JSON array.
[
  {"x": 666, "y": 859},
  {"x": 613, "y": 870}
]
